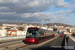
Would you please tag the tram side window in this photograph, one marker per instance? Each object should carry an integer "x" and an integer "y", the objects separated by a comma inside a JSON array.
[
  {"x": 41, "y": 33},
  {"x": 50, "y": 32}
]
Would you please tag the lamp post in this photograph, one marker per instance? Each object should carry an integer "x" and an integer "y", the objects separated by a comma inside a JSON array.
[
  {"x": 42, "y": 20},
  {"x": 47, "y": 22},
  {"x": 52, "y": 25}
]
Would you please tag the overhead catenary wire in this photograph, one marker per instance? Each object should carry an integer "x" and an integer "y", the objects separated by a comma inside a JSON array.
[
  {"x": 28, "y": 5},
  {"x": 17, "y": 10},
  {"x": 34, "y": 10},
  {"x": 9, "y": 6}
]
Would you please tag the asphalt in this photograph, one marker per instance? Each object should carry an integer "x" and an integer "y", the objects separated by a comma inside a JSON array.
[
  {"x": 56, "y": 44},
  {"x": 71, "y": 45}
]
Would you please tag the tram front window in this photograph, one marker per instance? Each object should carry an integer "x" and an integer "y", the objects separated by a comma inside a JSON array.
[{"x": 31, "y": 33}]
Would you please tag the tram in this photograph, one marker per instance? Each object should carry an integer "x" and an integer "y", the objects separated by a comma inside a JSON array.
[{"x": 37, "y": 35}]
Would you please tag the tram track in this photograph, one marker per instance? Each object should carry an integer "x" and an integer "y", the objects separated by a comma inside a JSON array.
[
  {"x": 18, "y": 46},
  {"x": 56, "y": 42},
  {"x": 10, "y": 43},
  {"x": 13, "y": 45},
  {"x": 52, "y": 45},
  {"x": 35, "y": 46}
]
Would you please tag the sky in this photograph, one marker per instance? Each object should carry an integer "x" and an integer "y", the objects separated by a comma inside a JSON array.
[{"x": 32, "y": 11}]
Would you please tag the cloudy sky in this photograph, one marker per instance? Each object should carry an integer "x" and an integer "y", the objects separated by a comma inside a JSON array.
[{"x": 58, "y": 11}]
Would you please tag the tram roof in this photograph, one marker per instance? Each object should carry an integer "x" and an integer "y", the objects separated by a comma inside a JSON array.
[{"x": 39, "y": 28}]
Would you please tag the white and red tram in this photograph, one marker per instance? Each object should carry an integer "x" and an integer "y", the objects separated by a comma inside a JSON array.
[{"x": 36, "y": 35}]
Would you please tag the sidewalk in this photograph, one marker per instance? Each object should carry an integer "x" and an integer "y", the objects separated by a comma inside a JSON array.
[
  {"x": 72, "y": 38},
  {"x": 71, "y": 44}
]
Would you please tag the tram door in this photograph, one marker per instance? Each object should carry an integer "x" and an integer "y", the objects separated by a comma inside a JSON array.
[{"x": 41, "y": 35}]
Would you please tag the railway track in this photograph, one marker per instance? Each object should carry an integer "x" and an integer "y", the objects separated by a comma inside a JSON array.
[
  {"x": 14, "y": 46},
  {"x": 6, "y": 45},
  {"x": 56, "y": 42},
  {"x": 10, "y": 43},
  {"x": 21, "y": 47},
  {"x": 18, "y": 45},
  {"x": 35, "y": 46}
]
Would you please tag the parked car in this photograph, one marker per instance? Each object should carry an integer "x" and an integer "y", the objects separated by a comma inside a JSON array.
[{"x": 61, "y": 35}]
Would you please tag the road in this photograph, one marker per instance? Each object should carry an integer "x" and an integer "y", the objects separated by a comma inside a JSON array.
[
  {"x": 71, "y": 44},
  {"x": 53, "y": 45}
]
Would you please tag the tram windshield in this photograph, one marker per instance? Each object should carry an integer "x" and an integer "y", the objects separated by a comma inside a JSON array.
[{"x": 32, "y": 33}]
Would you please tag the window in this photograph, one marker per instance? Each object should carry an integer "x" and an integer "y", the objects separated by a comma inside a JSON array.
[
  {"x": 41, "y": 33},
  {"x": 33, "y": 33}
]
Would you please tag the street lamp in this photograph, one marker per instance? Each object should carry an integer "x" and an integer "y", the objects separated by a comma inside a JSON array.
[
  {"x": 47, "y": 22},
  {"x": 42, "y": 20}
]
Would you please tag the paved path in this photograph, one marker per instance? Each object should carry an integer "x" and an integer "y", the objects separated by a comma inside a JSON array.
[
  {"x": 71, "y": 44},
  {"x": 52, "y": 45},
  {"x": 73, "y": 36}
]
